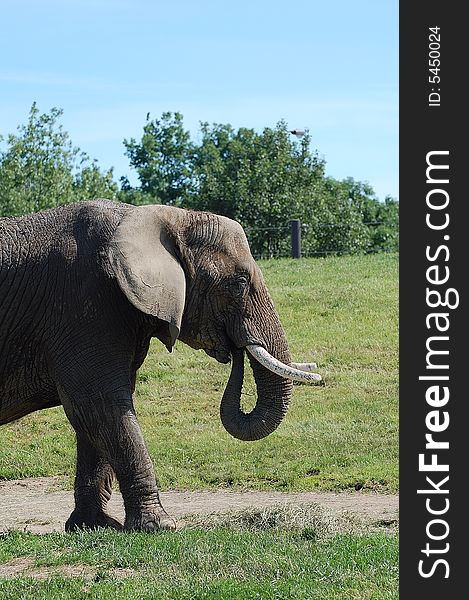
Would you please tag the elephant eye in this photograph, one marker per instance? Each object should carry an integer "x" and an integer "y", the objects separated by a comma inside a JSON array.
[{"x": 239, "y": 286}]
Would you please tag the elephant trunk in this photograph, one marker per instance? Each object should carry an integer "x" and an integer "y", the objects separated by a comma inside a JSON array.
[{"x": 273, "y": 397}]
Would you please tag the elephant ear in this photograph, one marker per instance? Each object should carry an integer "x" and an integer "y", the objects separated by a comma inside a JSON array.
[{"x": 143, "y": 257}]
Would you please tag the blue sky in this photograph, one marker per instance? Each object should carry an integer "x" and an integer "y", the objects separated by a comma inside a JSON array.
[{"x": 330, "y": 67}]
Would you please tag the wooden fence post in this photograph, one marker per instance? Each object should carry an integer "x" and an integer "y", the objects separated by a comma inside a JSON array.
[{"x": 295, "y": 238}]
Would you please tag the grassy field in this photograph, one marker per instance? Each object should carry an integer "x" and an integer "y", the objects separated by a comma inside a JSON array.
[
  {"x": 252, "y": 555},
  {"x": 340, "y": 312}
]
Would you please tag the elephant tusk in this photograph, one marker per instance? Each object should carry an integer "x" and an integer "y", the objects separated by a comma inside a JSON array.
[
  {"x": 278, "y": 367},
  {"x": 305, "y": 366}
]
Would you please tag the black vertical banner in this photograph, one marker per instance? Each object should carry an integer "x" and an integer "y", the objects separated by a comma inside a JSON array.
[{"x": 434, "y": 329}]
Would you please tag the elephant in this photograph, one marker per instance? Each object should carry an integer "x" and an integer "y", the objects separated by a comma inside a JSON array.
[{"x": 83, "y": 289}]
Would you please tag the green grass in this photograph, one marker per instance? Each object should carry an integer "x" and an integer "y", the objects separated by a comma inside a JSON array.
[
  {"x": 340, "y": 312},
  {"x": 255, "y": 556}
]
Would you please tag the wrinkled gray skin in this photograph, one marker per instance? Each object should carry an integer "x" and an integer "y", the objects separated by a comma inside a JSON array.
[{"x": 83, "y": 288}]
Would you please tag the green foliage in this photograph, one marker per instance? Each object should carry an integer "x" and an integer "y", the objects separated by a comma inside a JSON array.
[
  {"x": 162, "y": 158},
  {"x": 36, "y": 168},
  {"x": 40, "y": 168},
  {"x": 132, "y": 195},
  {"x": 90, "y": 182},
  {"x": 333, "y": 225},
  {"x": 385, "y": 236},
  {"x": 263, "y": 180}
]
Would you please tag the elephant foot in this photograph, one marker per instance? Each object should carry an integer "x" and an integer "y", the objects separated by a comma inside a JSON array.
[
  {"x": 80, "y": 520},
  {"x": 151, "y": 522}
]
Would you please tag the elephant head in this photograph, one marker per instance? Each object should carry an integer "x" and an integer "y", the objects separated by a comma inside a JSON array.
[{"x": 194, "y": 272}]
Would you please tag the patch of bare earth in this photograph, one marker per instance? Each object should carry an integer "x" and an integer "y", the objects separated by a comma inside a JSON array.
[
  {"x": 25, "y": 567},
  {"x": 37, "y": 506},
  {"x": 40, "y": 506}
]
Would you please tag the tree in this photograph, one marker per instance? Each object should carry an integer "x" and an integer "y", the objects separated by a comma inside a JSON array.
[
  {"x": 263, "y": 180},
  {"x": 40, "y": 168},
  {"x": 260, "y": 179},
  {"x": 334, "y": 225},
  {"x": 162, "y": 159},
  {"x": 385, "y": 235},
  {"x": 380, "y": 218},
  {"x": 36, "y": 168},
  {"x": 90, "y": 182}
]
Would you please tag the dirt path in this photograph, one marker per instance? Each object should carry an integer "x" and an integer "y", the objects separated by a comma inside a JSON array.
[{"x": 35, "y": 505}]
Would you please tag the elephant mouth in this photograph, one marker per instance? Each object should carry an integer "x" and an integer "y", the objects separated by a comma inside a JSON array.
[{"x": 220, "y": 354}]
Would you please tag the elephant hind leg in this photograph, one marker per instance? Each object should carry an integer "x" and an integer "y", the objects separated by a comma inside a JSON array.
[{"x": 93, "y": 489}]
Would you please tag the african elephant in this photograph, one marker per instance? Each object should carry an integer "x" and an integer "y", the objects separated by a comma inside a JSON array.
[{"x": 83, "y": 289}]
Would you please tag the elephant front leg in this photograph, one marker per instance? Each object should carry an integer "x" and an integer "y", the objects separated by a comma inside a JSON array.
[
  {"x": 93, "y": 489},
  {"x": 109, "y": 423},
  {"x": 137, "y": 482}
]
